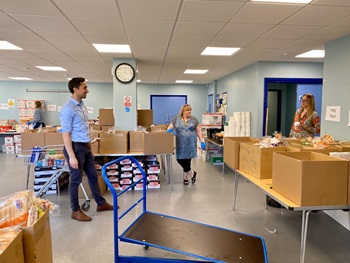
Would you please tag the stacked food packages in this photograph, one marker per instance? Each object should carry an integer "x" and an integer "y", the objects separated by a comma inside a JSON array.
[
  {"x": 22, "y": 209},
  {"x": 323, "y": 142}
]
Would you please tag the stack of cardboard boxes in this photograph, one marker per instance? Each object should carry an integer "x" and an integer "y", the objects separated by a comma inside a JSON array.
[{"x": 306, "y": 176}]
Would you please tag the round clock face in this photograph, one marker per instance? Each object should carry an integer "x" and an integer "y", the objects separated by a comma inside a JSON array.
[{"x": 124, "y": 72}]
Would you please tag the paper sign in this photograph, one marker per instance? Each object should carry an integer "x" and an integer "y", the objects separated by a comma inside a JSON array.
[
  {"x": 90, "y": 110},
  {"x": 127, "y": 101},
  {"x": 11, "y": 103},
  {"x": 332, "y": 113},
  {"x": 51, "y": 107},
  {"x": 4, "y": 106}
]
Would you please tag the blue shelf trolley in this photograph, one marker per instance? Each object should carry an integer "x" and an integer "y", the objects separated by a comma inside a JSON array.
[{"x": 200, "y": 241}]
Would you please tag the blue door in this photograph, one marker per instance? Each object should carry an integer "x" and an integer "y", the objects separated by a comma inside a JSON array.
[
  {"x": 210, "y": 103},
  {"x": 166, "y": 107}
]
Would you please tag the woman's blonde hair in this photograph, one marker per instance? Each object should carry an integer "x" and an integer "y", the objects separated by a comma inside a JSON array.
[
  {"x": 311, "y": 107},
  {"x": 184, "y": 107}
]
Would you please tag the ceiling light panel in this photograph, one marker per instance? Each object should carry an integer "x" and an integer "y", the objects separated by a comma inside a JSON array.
[
  {"x": 196, "y": 71},
  {"x": 184, "y": 81},
  {"x": 8, "y": 46},
  {"x": 284, "y": 1},
  {"x": 219, "y": 51},
  {"x": 49, "y": 68},
  {"x": 111, "y": 48},
  {"x": 312, "y": 54}
]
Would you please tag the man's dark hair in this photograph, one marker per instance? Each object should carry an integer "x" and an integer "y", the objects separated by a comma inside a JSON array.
[{"x": 75, "y": 83}]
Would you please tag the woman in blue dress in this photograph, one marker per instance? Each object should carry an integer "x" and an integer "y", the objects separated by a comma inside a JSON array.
[{"x": 187, "y": 131}]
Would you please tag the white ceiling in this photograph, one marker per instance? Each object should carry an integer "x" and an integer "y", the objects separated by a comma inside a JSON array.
[{"x": 166, "y": 36}]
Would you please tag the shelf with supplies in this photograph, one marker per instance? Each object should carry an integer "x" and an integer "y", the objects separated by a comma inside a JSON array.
[{"x": 214, "y": 152}]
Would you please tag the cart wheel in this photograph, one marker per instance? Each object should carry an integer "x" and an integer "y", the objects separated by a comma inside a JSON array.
[
  {"x": 145, "y": 247},
  {"x": 86, "y": 206}
]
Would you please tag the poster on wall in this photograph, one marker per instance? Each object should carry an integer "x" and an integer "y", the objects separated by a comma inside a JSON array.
[
  {"x": 11, "y": 103},
  {"x": 333, "y": 113},
  {"x": 90, "y": 110},
  {"x": 221, "y": 104},
  {"x": 51, "y": 107},
  {"x": 4, "y": 106}
]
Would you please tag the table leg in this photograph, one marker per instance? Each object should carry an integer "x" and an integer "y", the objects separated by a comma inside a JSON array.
[
  {"x": 169, "y": 170},
  {"x": 235, "y": 189},
  {"x": 223, "y": 170},
  {"x": 304, "y": 226}
]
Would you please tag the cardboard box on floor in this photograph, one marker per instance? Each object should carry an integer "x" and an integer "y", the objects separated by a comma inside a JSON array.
[
  {"x": 231, "y": 152},
  {"x": 101, "y": 184},
  {"x": 13, "y": 253},
  {"x": 311, "y": 179},
  {"x": 37, "y": 243},
  {"x": 159, "y": 142},
  {"x": 257, "y": 161},
  {"x": 116, "y": 142},
  {"x": 106, "y": 117}
]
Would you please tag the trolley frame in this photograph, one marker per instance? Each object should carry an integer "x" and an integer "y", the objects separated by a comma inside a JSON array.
[{"x": 134, "y": 234}]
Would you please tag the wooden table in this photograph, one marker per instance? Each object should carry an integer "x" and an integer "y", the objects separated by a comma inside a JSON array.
[{"x": 266, "y": 186}]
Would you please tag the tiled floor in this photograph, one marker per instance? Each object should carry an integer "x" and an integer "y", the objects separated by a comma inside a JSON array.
[{"x": 208, "y": 201}]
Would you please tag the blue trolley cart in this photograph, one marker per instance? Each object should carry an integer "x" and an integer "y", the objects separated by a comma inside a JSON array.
[{"x": 200, "y": 241}]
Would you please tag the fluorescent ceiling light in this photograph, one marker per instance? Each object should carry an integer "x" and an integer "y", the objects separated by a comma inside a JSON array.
[
  {"x": 138, "y": 81},
  {"x": 109, "y": 48},
  {"x": 51, "y": 68},
  {"x": 20, "y": 78},
  {"x": 196, "y": 71},
  {"x": 312, "y": 54},
  {"x": 8, "y": 46},
  {"x": 284, "y": 1},
  {"x": 184, "y": 81},
  {"x": 219, "y": 51}
]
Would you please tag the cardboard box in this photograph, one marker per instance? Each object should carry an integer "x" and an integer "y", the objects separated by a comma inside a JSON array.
[
  {"x": 136, "y": 141},
  {"x": 303, "y": 145},
  {"x": 106, "y": 117},
  {"x": 53, "y": 138},
  {"x": 95, "y": 146},
  {"x": 159, "y": 127},
  {"x": 116, "y": 142},
  {"x": 37, "y": 243},
  {"x": 30, "y": 140},
  {"x": 311, "y": 179},
  {"x": 144, "y": 117},
  {"x": 159, "y": 142},
  {"x": 14, "y": 251},
  {"x": 231, "y": 150},
  {"x": 257, "y": 161},
  {"x": 101, "y": 184}
]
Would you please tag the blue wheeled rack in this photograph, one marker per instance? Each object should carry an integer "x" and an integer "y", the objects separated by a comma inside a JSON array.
[{"x": 204, "y": 242}]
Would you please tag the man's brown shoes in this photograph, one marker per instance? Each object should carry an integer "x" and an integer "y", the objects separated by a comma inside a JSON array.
[
  {"x": 104, "y": 207},
  {"x": 80, "y": 216}
]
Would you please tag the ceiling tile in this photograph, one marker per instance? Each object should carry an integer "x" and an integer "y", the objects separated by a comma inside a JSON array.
[
  {"x": 209, "y": 11},
  {"x": 265, "y": 13},
  {"x": 197, "y": 29}
]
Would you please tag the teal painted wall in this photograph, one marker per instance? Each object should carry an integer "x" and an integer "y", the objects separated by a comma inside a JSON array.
[
  {"x": 336, "y": 87},
  {"x": 100, "y": 96}
]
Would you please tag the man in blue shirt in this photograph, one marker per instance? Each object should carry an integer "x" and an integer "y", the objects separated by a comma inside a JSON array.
[{"x": 77, "y": 148}]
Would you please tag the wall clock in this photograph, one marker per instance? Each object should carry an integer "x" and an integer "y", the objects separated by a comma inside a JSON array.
[{"x": 124, "y": 73}]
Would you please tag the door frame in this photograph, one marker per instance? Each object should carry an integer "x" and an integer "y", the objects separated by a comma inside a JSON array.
[{"x": 267, "y": 81}]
